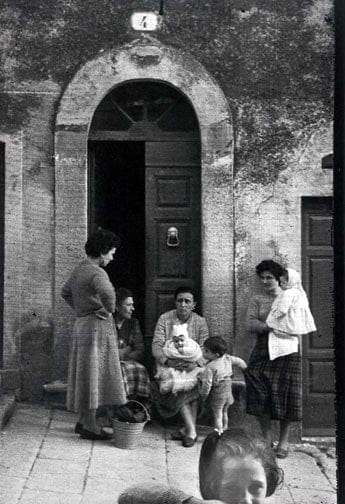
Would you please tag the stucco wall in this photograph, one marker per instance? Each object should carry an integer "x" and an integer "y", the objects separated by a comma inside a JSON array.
[{"x": 273, "y": 62}]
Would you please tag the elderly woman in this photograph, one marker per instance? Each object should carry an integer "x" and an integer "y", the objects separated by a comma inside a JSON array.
[
  {"x": 131, "y": 348},
  {"x": 273, "y": 386},
  {"x": 94, "y": 373},
  {"x": 184, "y": 403}
]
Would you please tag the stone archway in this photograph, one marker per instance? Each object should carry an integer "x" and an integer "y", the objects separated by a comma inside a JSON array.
[{"x": 153, "y": 61}]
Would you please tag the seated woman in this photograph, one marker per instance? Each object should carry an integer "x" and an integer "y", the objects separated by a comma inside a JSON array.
[
  {"x": 184, "y": 403},
  {"x": 131, "y": 348}
]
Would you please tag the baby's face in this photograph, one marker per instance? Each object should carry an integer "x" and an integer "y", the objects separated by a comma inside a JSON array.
[
  {"x": 243, "y": 482},
  {"x": 179, "y": 342},
  {"x": 283, "y": 282}
]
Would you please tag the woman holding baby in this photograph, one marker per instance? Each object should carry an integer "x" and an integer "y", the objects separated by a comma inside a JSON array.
[{"x": 184, "y": 402}]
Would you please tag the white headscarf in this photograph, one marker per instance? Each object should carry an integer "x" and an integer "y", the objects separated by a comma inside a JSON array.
[
  {"x": 294, "y": 281},
  {"x": 180, "y": 330}
]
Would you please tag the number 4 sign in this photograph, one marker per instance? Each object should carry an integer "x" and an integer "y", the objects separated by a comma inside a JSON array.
[{"x": 145, "y": 21}]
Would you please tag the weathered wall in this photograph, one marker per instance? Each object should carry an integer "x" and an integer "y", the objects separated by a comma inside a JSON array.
[{"x": 273, "y": 61}]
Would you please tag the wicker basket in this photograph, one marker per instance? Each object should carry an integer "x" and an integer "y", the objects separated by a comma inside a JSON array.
[{"x": 127, "y": 434}]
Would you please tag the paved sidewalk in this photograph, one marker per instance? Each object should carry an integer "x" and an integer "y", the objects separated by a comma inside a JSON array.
[{"x": 43, "y": 462}]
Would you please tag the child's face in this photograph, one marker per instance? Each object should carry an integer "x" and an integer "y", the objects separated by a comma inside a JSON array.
[
  {"x": 283, "y": 282},
  {"x": 243, "y": 481},
  {"x": 208, "y": 355},
  {"x": 179, "y": 342}
]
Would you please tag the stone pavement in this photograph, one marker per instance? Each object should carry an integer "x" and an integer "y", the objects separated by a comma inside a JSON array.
[{"x": 43, "y": 462}]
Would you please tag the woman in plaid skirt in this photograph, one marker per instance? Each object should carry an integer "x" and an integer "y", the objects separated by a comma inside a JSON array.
[{"x": 273, "y": 386}]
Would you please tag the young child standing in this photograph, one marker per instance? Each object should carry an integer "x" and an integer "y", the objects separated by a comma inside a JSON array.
[
  {"x": 235, "y": 467},
  {"x": 216, "y": 380},
  {"x": 289, "y": 317},
  {"x": 183, "y": 348}
]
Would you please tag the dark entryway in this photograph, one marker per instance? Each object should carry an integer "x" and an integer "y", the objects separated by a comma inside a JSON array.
[
  {"x": 144, "y": 178},
  {"x": 117, "y": 203}
]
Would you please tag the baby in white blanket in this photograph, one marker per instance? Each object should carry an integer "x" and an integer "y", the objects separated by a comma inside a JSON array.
[{"x": 179, "y": 346}]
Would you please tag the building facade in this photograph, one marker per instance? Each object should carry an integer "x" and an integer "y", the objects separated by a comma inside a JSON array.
[{"x": 217, "y": 124}]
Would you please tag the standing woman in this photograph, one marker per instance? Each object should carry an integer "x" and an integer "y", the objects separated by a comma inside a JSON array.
[
  {"x": 94, "y": 373},
  {"x": 273, "y": 386}
]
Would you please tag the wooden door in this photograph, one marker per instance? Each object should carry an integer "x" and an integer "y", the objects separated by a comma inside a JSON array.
[
  {"x": 317, "y": 348},
  {"x": 2, "y": 243},
  {"x": 172, "y": 190}
]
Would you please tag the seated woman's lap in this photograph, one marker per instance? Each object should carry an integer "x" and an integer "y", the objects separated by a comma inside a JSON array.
[{"x": 136, "y": 379}]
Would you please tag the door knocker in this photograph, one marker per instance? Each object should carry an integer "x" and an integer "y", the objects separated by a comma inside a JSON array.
[{"x": 172, "y": 237}]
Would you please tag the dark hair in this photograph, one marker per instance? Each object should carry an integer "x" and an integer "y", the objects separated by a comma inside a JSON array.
[
  {"x": 121, "y": 294},
  {"x": 234, "y": 442},
  {"x": 100, "y": 242},
  {"x": 216, "y": 345},
  {"x": 183, "y": 289},
  {"x": 273, "y": 267}
]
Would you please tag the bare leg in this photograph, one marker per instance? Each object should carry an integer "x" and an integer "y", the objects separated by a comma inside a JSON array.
[
  {"x": 194, "y": 406},
  {"x": 89, "y": 416},
  {"x": 218, "y": 419},
  {"x": 285, "y": 426},
  {"x": 188, "y": 415},
  {"x": 225, "y": 416},
  {"x": 265, "y": 424}
]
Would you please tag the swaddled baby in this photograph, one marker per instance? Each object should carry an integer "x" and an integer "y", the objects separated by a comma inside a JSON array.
[{"x": 179, "y": 346}]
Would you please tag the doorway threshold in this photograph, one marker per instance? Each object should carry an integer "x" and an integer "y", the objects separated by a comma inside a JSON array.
[{"x": 318, "y": 439}]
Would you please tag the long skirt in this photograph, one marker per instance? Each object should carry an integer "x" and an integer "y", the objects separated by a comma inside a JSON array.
[
  {"x": 94, "y": 373},
  {"x": 274, "y": 387}
]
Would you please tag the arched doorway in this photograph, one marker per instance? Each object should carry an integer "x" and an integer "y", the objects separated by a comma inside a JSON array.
[
  {"x": 145, "y": 61},
  {"x": 144, "y": 178}
]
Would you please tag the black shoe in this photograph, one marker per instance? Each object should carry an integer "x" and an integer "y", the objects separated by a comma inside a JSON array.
[
  {"x": 188, "y": 441},
  {"x": 78, "y": 428},
  {"x": 93, "y": 436}
]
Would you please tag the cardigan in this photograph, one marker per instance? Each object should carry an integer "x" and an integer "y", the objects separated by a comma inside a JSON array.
[{"x": 89, "y": 290}]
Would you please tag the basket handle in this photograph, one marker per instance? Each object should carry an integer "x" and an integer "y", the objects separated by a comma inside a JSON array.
[{"x": 148, "y": 418}]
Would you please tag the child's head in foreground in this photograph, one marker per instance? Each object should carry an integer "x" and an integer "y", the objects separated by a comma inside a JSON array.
[
  {"x": 214, "y": 347},
  {"x": 237, "y": 467}
]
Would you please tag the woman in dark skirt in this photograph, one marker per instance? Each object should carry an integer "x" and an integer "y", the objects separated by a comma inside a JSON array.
[{"x": 273, "y": 386}]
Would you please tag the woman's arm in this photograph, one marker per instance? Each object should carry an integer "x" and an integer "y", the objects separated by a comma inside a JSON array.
[
  {"x": 104, "y": 288},
  {"x": 254, "y": 324},
  {"x": 137, "y": 347},
  {"x": 159, "y": 339},
  {"x": 66, "y": 293}
]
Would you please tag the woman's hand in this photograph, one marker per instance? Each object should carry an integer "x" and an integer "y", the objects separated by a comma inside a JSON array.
[
  {"x": 181, "y": 364},
  {"x": 124, "y": 352}
]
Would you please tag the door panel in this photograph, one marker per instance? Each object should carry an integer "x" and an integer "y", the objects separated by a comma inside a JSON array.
[
  {"x": 172, "y": 200},
  {"x": 317, "y": 348}
]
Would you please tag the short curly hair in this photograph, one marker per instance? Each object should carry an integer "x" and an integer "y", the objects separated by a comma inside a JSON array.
[
  {"x": 100, "y": 242},
  {"x": 216, "y": 345},
  {"x": 234, "y": 443},
  {"x": 121, "y": 294},
  {"x": 276, "y": 269},
  {"x": 183, "y": 289}
]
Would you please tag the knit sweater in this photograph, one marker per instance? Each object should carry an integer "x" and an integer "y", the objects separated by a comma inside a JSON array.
[{"x": 89, "y": 290}]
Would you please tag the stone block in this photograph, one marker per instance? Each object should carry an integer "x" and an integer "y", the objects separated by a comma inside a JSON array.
[{"x": 9, "y": 379}]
